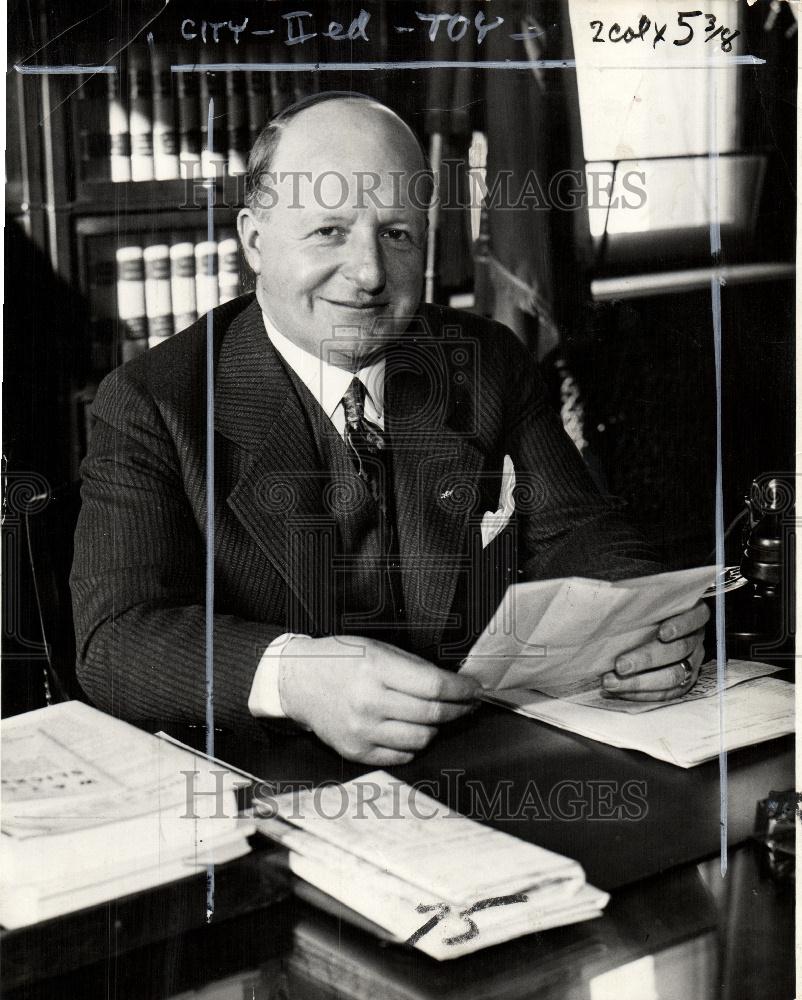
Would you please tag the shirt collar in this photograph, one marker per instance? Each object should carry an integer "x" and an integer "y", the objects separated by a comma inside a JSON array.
[{"x": 325, "y": 381}]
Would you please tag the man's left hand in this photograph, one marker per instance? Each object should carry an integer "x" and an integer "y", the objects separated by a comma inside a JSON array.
[{"x": 666, "y": 667}]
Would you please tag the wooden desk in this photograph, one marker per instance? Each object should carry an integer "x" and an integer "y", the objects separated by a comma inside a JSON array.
[
  {"x": 498, "y": 753},
  {"x": 695, "y": 935}
]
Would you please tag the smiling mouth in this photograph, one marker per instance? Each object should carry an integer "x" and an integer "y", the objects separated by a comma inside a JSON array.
[{"x": 360, "y": 306}]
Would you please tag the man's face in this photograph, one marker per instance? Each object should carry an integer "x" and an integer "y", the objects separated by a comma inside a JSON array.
[{"x": 339, "y": 256}]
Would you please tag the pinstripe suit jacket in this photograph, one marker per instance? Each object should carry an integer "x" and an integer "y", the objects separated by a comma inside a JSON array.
[{"x": 461, "y": 393}]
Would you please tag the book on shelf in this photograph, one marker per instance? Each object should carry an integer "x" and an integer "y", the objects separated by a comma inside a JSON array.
[
  {"x": 207, "y": 289},
  {"x": 131, "y": 309},
  {"x": 228, "y": 268},
  {"x": 119, "y": 136},
  {"x": 165, "y": 138},
  {"x": 101, "y": 270},
  {"x": 430, "y": 877},
  {"x": 282, "y": 91},
  {"x": 140, "y": 114},
  {"x": 145, "y": 123},
  {"x": 236, "y": 116},
  {"x": 182, "y": 284},
  {"x": 94, "y": 808},
  {"x": 158, "y": 298},
  {"x": 189, "y": 129},
  {"x": 214, "y": 140},
  {"x": 91, "y": 123},
  {"x": 257, "y": 102},
  {"x": 140, "y": 296}
]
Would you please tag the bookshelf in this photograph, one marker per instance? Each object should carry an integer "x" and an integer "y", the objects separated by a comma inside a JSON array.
[
  {"x": 116, "y": 154},
  {"x": 108, "y": 172}
]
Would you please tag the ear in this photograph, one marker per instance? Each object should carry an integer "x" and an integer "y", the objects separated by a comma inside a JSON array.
[{"x": 249, "y": 229}]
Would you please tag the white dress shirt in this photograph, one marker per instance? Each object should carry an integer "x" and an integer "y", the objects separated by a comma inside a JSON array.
[{"x": 328, "y": 384}]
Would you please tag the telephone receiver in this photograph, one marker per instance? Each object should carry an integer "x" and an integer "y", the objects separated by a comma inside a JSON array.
[
  {"x": 769, "y": 508},
  {"x": 759, "y": 619}
]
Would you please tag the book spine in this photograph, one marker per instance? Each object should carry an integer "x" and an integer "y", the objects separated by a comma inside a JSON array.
[
  {"x": 258, "y": 91},
  {"x": 236, "y": 117},
  {"x": 228, "y": 276},
  {"x": 282, "y": 93},
  {"x": 140, "y": 111},
  {"x": 213, "y": 88},
  {"x": 102, "y": 284},
  {"x": 182, "y": 285},
  {"x": 131, "y": 301},
  {"x": 92, "y": 128},
  {"x": 189, "y": 136},
  {"x": 303, "y": 82},
  {"x": 165, "y": 139},
  {"x": 119, "y": 136},
  {"x": 158, "y": 300},
  {"x": 207, "y": 294}
]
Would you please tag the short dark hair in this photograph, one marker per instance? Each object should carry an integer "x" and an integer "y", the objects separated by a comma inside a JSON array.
[{"x": 263, "y": 151}]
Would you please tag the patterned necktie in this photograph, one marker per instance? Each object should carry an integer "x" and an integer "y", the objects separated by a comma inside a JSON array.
[{"x": 364, "y": 439}]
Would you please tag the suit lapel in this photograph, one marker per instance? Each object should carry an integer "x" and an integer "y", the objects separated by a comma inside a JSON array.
[
  {"x": 278, "y": 496},
  {"x": 435, "y": 470}
]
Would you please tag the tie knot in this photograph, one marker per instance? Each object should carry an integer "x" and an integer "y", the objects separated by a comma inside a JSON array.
[{"x": 354, "y": 403}]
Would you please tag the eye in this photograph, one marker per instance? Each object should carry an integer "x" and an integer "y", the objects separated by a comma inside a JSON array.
[
  {"x": 397, "y": 235},
  {"x": 327, "y": 232}
]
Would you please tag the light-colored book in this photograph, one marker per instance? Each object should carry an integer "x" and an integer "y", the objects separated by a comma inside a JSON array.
[
  {"x": 182, "y": 284},
  {"x": 207, "y": 289},
  {"x": 94, "y": 808},
  {"x": 158, "y": 298}
]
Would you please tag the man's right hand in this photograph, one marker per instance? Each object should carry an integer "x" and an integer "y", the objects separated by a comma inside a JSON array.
[{"x": 369, "y": 700}]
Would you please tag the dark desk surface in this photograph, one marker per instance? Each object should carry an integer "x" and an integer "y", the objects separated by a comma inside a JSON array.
[
  {"x": 694, "y": 934},
  {"x": 621, "y": 814}
]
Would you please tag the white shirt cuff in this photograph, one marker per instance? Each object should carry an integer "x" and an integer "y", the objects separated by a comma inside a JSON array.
[{"x": 264, "y": 700}]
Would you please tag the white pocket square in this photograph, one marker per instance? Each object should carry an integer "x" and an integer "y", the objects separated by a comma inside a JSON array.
[{"x": 495, "y": 521}]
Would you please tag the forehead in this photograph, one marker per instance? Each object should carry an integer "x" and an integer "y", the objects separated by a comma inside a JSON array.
[{"x": 357, "y": 141}]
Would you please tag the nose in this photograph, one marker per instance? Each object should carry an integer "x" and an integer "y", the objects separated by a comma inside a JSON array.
[{"x": 365, "y": 263}]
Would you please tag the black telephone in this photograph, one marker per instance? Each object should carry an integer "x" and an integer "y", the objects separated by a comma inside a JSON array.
[{"x": 759, "y": 615}]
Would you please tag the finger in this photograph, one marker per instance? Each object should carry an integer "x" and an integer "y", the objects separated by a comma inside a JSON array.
[
  {"x": 385, "y": 757},
  {"x": 665, "y": 682},
  {"x": 424, "y": 680},
  {"x": 670, "y": 678},
  {"x": 406, "y": 708},
  {"x": 405, "y": 736},
  {"x": 655, "y": 654},
  {"x": 685, "y": 623}
]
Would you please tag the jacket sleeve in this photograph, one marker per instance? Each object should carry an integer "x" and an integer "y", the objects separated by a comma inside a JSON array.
[
  {"x": 566, "y": 526},
  {"x": 138, "y": 580}
]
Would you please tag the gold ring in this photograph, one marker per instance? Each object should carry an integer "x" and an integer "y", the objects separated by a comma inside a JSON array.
[{"x": 687, "y": 670}]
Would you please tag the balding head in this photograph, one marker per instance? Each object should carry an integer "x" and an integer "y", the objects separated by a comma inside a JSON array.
[{"x": 336, "y": 132}]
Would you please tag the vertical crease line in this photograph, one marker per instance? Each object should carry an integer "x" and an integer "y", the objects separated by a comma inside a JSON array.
[
  {"x": 209, "y": 609},
  {"x": 715, "y": 296}
]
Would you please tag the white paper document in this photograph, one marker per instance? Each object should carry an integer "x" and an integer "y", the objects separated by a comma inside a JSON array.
[
  {"x": 432, "y": 878},
  {"x": 684, "y": 734},
  {"x": 559, "y": 636}
]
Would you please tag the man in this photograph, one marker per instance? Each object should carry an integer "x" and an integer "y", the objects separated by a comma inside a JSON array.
[{"x": 349, "y": 533}]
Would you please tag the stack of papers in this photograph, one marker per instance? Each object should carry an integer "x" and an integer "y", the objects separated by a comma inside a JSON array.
[
  {"x": 684, "y": 732},
  {"x": 429, "y": 876},
  {"x": 93, "y": 809},
  {"x": 546, "y": 648}
]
